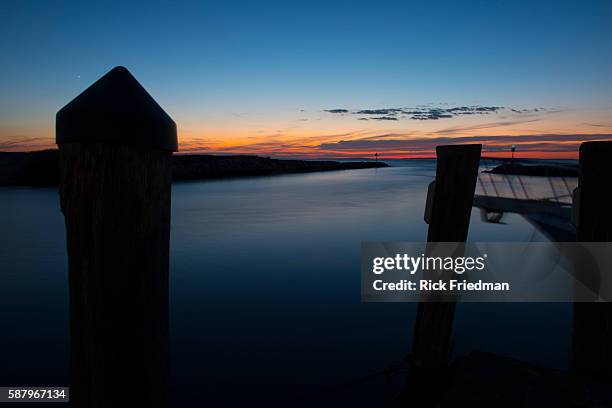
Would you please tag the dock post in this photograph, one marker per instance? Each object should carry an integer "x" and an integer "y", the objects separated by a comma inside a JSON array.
[
  {"x": 592, "y": 324},
  {"x": 449, "y": 219},
  {"x": 115, "y": 156}
]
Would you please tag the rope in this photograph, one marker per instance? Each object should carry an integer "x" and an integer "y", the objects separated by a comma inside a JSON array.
[{"x": 488, "y": 171}]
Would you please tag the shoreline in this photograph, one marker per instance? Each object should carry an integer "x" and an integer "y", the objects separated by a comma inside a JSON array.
[{"x": 40, "y": 168}]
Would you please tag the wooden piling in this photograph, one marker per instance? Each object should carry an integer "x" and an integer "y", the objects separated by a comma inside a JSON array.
[
  {"x": 449, "y": 219},
  {"x": 115, "y": 147},
  {"x": 592, "y": 325}
]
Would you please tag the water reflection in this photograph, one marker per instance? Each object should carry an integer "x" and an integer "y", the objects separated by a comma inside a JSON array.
[{"x": 265, "y": 297}]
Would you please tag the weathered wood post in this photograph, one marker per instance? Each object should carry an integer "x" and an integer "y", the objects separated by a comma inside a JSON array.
[
  {"x": 592, "y": 331},
  {"x": 115, "y": 147},
  {"x": 449, "y": 219}
]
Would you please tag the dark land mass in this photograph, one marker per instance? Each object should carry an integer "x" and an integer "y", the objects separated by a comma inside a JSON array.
[
  {"x": 41, "y": 168},
  {"x": 540, "y": 170}
]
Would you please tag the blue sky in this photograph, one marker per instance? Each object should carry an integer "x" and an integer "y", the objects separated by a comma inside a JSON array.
[{"x": 224, "y": 69}]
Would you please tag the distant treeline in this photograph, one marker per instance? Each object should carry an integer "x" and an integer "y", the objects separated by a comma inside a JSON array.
[{"x": 41, "y": 168}]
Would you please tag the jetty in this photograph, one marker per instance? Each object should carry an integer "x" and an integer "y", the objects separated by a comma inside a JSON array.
[{"x": 40, "y": 168}]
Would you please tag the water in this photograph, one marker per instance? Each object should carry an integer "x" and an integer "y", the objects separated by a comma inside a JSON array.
[{"x": 265, "y": 297}]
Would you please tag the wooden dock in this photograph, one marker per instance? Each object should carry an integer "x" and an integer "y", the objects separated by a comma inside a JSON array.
[{"x": 551, "y": 217}]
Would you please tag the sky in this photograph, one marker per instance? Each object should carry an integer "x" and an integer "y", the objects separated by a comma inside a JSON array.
[{"x": 322, "y": 79}]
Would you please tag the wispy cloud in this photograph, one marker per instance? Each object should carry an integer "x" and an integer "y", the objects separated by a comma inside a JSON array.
[
  {"x": 490, "y": 125},
  {"x": 336, "y": 110},
  {"x": 392, "y": 111},
  {"x": 428, "y": 112},
  {"x": 23, "y": 143},
  {"x": 397, "y": 145},
  {"x": 383, "y": 118},
  {"x": 603, "y": 125},
  {"x": 409, "y": 144},
  {"x": 527, "y": 111}
]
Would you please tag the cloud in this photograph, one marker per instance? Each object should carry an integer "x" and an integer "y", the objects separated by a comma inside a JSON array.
[
  {"x": 433, "y": 115},
  {"x": 392, "y": 111},
  {"x": 523, "y": 111},
  {"x": 24, "y": 143},
  {"x": 534, "y": 143},
  {"x": 192, "y": 149},
  {"x": 403, "y": 144},
  {"x": 604, "y": 125},
  {"x": 278, "y": 144},
  {"x": 191, "y": 144},
  {"x": 422, "y": 112},
  {"x": 384, "y": 118},
  {"x": 492, "y": 125}
]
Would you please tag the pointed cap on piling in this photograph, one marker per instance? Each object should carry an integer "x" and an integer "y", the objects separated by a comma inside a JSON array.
[{"x": 116, "y": 109}]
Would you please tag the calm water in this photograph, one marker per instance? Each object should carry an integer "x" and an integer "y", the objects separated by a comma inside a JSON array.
[{"x": 265, "y": 297}]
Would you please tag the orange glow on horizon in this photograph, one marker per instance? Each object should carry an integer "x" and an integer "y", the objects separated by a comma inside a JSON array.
[
  {"x": 307, "y": 146},
  {"x": 329, "y": 143}
]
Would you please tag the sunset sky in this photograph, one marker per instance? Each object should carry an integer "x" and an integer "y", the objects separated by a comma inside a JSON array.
[{"x": 323, "y": 79}]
